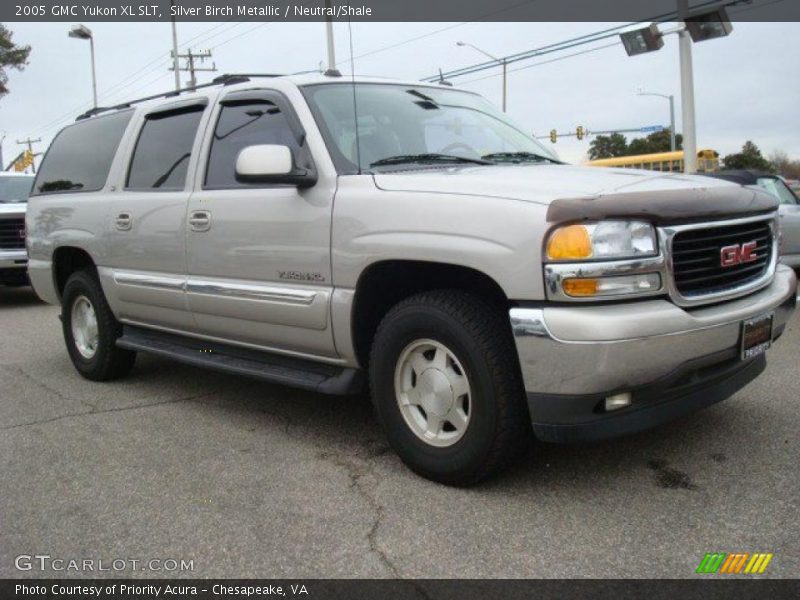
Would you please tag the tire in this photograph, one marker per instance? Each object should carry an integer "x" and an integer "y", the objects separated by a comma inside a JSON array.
[
  {"x": 477, "y": 344},
  {"x": 97, "y": 358}
]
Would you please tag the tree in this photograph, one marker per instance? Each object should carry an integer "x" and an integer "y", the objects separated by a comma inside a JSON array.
[
  {"x": 658, "y": 141},
  {"x": 784, "y": 165},
  {"x": 749, "y": 158},
  {"x": 608, "y": 146},
  {"x": 11, "y": 56}
]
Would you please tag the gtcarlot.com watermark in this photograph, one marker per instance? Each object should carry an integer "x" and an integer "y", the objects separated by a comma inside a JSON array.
[{"x": 45, "y": 562}]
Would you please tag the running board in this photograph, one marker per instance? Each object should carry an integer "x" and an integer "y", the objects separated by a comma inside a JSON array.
[{"x": 256, "y": 364}]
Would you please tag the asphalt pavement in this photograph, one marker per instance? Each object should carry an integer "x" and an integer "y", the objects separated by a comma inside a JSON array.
[{"x": 247, "y": 479}]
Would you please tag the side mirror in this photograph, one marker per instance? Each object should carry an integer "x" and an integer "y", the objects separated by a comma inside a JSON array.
[{"x": 271, "y": 163}]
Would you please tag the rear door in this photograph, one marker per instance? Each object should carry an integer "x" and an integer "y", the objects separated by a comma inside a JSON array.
[
  {"x": 147, "y": 253},
  {"x": 259, "y": 254}
]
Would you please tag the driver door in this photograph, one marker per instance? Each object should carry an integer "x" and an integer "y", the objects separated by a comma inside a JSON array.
[{"x": 258, "y": 255}]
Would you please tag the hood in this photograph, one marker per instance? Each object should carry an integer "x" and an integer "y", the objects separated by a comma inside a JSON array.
[{"x": 540, "y": 183}]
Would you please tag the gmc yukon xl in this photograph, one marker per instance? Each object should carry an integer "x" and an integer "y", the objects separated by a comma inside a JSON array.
[{"x": 333, "y": 234}]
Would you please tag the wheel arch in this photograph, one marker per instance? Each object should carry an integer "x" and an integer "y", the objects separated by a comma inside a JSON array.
[
  {"x": 66, "y": 261},
  {"x": 385, "y": 283}
]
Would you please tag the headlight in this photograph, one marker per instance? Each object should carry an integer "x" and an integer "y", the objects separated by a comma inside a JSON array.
[{"x": 606, "y": 240}]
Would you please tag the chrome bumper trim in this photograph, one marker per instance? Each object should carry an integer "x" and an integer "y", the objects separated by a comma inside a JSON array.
[
  {"x": 597, "y": 349},
  {"x": 10, "y": 259}
]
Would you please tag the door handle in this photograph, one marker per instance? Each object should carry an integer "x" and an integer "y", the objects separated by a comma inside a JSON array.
[
  {"x": 124, "y": 221},
  {"x": 200, "y": 220}
]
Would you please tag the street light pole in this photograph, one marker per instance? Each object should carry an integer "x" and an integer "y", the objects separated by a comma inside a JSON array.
[
  {"x": 671, "y": 98},
  {"x": 175, "y": 57},
  {"x": 94, "y": 75},
  {"x": 687, "y": 93},
  {"x": 500, "y": 61},
  {"x": 82, "y": 32}
]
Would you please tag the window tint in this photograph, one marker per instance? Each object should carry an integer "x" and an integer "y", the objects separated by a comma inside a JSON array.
[
  {"x": 244, "y": 124},
  {"x": 162, "y": 153},
  {"x": 80, "y": 156}
]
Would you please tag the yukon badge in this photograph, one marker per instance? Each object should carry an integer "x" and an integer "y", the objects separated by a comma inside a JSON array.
[{"x": 730, "y": 256}]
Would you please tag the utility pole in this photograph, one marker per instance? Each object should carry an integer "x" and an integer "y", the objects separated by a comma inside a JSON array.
[
  {"x": 29, "y": 142},
  {"x": 687, "y": 93},
  {"x": 175, "y": 48},
  {"x": 191, "y": 67}
]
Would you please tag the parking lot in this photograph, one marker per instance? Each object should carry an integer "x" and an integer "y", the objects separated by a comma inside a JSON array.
[{"x": 248, "y": 479}]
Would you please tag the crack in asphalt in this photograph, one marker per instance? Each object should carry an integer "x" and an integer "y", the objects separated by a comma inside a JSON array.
[
  {"x": 356, "y": 469},
  {"x": 108, "y": 410}
]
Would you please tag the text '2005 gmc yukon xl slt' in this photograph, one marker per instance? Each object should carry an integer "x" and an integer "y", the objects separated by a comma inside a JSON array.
[{"x": 427, "y": 247}]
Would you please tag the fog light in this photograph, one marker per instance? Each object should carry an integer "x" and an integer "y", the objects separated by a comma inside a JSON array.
[{"x": 618, "y": 401}]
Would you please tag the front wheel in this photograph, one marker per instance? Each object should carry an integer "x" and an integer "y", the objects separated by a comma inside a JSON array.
[
  {"x": 91, "y": 330},
  {"x": 445, "y": 381}
]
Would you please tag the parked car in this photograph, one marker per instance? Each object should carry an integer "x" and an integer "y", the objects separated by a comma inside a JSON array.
[
  {"x": 416, "y": 239},
  {"x": 789, "y": 208},
  {"x": 14, "y": 191}
]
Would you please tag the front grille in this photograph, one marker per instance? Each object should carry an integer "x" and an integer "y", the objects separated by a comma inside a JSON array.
[
  {"x": 12, "y": 234},
  {"x": 697, "y": 258}
]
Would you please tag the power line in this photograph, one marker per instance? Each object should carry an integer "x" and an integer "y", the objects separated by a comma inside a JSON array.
[
  {"x": 544, "y": 62},
  {"x": 571, "y": 43},
  {"x": 159, "y": 62}
]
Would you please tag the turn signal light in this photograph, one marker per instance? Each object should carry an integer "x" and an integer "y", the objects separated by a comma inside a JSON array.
[
  {"x": 580, "y": 287},
  {"x": 571, "y": 242}
]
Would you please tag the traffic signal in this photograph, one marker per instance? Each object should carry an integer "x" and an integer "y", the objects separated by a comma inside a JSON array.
[
  {"x": 553, "y": 135},
  {"x": 580, "y": 132}
]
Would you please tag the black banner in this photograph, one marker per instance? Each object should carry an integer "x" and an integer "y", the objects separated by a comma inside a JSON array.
[{"x": 389, "y": 10}]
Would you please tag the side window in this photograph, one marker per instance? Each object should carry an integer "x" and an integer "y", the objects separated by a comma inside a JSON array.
[
  {"x": 80, "y": 156},
  {"x": 161, "y": 157},
  {"x": 240, "y": 124}
]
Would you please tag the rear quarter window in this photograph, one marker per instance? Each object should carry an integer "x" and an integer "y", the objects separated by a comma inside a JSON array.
[{"x": 80, "y": 156}]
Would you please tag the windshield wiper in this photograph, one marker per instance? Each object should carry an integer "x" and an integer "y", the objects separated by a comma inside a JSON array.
[
  {"x": 431, "y": 157},
  {"x": 518, "y": 157}
]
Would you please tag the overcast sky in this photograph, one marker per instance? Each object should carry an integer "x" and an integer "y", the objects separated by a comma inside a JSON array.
[{"x": 747, "y": 85}]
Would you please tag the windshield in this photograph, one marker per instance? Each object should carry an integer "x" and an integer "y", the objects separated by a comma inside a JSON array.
[
  {"x": 415, "y": 122},
  {"x": 15, "y": 189},
  {"x": 777, "y": 188}
]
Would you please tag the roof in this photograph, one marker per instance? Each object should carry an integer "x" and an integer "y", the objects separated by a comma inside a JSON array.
[
  {"x": 15, "y": 174},
  {"x": 246, "y": 80},
  {"x": 742, "y": 176}
]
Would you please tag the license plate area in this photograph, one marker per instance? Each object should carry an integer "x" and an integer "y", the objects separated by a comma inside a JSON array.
[{"x": 756, "y": 336}]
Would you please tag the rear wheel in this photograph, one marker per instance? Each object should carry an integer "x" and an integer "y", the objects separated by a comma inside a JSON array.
[
  {"x": 91, "y": 330},
  {"x": 445, "y": 381}
]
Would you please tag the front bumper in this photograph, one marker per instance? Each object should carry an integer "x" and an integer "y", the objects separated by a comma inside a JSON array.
[
  {"x": 13, "y": 259},
  {"x": 13, "y": 267},
  {"x": 672, "y": 360}
]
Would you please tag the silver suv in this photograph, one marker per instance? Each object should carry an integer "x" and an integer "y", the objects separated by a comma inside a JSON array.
[{"x": 328, "y": 234}]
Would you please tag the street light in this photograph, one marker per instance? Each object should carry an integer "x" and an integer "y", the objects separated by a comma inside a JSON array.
[
  {"x": 698, "y": 27},
  {"x": 501, "y": 61},
  {"x": 82, "y": 32},
  {"x": 671, "y": 99}
]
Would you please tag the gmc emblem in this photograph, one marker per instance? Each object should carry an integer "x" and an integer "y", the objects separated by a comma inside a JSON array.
[
  {"x": 21, "y": 233},
  {"x": 730, "y": 256}
]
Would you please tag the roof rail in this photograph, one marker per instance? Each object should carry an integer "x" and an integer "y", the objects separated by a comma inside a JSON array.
[{"x": 226, "y": 79}]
